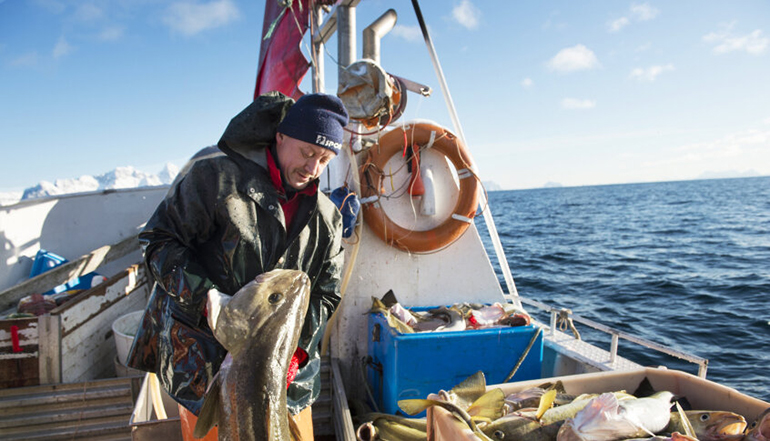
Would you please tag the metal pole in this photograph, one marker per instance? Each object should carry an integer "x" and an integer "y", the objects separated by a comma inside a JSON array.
[
  {"x": 346, "y": 36},
  {"x": 318, "y": 45}
]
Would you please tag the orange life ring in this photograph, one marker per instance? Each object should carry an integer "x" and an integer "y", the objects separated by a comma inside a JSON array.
[{"x": 454, "y": 226}]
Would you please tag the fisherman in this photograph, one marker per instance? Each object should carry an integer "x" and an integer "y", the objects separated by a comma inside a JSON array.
[{"x": 234, "y": 215}]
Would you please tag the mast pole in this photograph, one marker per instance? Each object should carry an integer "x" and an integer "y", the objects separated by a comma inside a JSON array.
[{"x": 317, "y": 18}]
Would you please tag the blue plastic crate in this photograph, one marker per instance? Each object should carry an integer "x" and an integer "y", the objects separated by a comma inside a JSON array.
[
  {"x": 44, "y": 261},
  {"x": 415, "y": 365}
]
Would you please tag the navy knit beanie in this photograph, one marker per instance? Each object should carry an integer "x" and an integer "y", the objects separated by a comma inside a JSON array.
[{"x": 318, "y": 119}]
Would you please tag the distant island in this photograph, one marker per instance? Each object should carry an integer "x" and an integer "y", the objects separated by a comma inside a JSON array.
[
  {"x": 491, "y": 186},
  {"x": 551, "y": 184}
]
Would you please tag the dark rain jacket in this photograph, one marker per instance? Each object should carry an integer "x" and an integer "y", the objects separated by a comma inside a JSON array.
[{"x": 220, "y": 227}]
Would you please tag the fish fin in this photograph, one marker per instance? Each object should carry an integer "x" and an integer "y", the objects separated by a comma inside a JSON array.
[
  {"x": 686, "y": 424},
  {"x": 470, "y": 390},
  {"x": 296, "y": 434},
  {"x": 389, "y": 299},
  {"x": 377, "y": 306},
  {"x": 416, "y": 405},
  {"x": 209, "y": 414},
  {"x": 488, "y": 406},
  {"x": 546, "y": 402}
]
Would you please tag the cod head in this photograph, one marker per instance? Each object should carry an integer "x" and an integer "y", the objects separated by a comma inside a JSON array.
[{"x": 275, "y": 299}]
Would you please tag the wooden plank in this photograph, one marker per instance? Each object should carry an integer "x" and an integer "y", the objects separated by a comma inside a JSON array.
[
  {"x": 61, "y": 274},
  {"x": 343, "y": 422},
  {"x": 27, "y": 332},
  {"x": 19, "y": 372},
  {"x": 91, "y": 303},
  {"x": 19, "y": 369},
  {"x": 49, "y": 332},
  {"x": 88, "y": 348}
]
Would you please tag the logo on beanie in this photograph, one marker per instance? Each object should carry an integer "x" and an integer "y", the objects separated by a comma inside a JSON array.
[{"x": 323, "y": 141}]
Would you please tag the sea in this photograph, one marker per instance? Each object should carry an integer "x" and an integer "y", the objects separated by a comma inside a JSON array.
[{"x": 685, "y": 264}]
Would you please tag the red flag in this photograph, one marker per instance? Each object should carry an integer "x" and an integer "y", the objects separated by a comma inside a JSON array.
[{"x": 281, "y": 62}]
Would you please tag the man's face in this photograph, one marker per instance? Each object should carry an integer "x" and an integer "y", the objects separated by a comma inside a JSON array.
[{"x": 301, "y": 162}]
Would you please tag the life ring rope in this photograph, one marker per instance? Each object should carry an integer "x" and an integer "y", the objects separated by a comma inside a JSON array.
[{"x": 424, "y": 136}]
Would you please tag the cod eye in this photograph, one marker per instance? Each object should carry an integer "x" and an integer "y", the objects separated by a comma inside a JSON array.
[
  {"x": 274, "y": 298},
  {"x": 499, "y": 434},
  {"x": 705, "y": 417}
]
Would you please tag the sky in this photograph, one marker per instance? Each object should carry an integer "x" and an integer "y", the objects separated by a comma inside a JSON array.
[{"x": 574, "y": 93}]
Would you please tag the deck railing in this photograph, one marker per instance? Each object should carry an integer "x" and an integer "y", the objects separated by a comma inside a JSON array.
[{"x": 616, "y": 334}]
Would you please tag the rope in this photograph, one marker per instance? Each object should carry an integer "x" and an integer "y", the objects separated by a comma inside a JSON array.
[
  {"x": 564, "y": 321},
  {"x": 532, "y": 340}
]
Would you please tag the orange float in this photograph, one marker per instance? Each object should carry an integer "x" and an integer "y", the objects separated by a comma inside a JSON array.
[{"x": 437, "y": 139}]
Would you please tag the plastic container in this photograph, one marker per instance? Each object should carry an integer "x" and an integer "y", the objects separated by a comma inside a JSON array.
[
  {"x": 44, "y": 261},
  {"x": 124, "y": 329},
  {"x": 700, "y": 393},
  {"x": 415, "y": 365},
  {"x": 84, "y": 282}
]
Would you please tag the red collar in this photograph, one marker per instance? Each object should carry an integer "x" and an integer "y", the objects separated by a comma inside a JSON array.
[{"x": 275, "y": 178}]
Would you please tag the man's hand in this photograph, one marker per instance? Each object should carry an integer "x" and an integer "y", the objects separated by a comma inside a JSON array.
[{"x": 214, "y": 304}]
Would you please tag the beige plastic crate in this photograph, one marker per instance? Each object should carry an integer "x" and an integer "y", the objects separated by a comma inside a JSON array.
[{"x": 701, "y": 393}]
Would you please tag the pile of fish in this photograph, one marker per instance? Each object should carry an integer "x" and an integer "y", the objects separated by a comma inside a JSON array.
[
  {"x": 458, "y": 317},
  {"x": 547, "y": 413}
]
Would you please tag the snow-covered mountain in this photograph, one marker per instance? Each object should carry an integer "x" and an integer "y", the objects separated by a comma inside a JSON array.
[{"x": 121, "y": 177}]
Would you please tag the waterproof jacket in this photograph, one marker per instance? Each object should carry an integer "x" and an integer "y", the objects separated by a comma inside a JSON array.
[{"x": 220, "y": 227}]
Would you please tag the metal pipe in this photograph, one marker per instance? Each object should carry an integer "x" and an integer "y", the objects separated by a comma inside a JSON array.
[
  {"x": 614, "y": 348},
  {"x": 374, "y": 33},
  {"x": 317, "y": 56},
  {"x": 346, "y": 38}
]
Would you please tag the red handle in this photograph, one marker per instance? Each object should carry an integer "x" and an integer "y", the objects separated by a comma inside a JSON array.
[{"x": 15, "y": 339}]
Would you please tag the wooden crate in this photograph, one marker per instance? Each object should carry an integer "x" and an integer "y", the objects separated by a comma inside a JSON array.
[
  {"x": 18, "y": 369},
  {"x": 74, "y": 342}
]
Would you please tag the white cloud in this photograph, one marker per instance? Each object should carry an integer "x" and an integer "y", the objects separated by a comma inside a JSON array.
[
  {"x": 644, "y": 11},
  {"x": 527, "y": 83},
  {"x": 26, "y": 60},
  {"x": 190, "y": 18},
  {"x": 112, "y": 33},
  {"x": 62, "y": 48},
  {"x": 767, "y": 121},
  {"x": 409, "y": 33},
  {"x": 467, "y": 14},
  {"x": 576, "y": 104},
  {"x": 574, "y": 58},
  {"x": 651, "y": 73},
  {"x": 617, "y": 25},
  {"x": 725, "y": 41},
  {"x": 639, "y": 12}
]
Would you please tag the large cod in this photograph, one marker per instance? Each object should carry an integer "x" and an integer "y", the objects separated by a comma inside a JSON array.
[{"x": 260, "y": 328}]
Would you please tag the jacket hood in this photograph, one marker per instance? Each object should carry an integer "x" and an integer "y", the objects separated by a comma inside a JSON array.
[{"x": 255, "y": 127}]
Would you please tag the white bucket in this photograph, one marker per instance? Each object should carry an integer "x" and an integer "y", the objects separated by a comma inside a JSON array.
[{"x": 124, "y": 329}]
